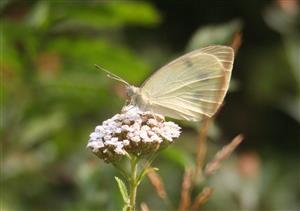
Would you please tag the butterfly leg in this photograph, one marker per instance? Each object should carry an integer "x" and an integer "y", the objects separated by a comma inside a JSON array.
[
  {"x": 152, "y": 112},
  {"x": 128, "y": 105},
  {"x": 127, "y": 102}
]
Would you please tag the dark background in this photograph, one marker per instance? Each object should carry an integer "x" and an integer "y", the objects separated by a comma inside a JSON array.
[{"x": 52, "y": 97}]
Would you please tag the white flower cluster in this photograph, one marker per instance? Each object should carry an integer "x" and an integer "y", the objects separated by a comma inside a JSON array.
[{"x": 132, "y": 131}]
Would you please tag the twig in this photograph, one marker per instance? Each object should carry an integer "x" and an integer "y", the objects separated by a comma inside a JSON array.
[
  {"x": 202, "y": 198},
  {"x": 201, "y": 148},
  {"x": 215, "y": 164},
  {"x": 236, "y": 41},
  {"x": 144, "y": 207},
  {"x": 185, "y": 199},
  {"x": 157, "y": 183}
]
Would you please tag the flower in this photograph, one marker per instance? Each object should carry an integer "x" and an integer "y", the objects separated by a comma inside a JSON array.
[{"x": 132, "y": 131}]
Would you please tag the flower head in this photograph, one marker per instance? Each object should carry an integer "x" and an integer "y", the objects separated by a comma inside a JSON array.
[{"x": 132, "y": 131}]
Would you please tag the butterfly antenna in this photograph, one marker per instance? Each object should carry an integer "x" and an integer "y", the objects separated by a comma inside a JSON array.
[{"x": 112, "y": 75}]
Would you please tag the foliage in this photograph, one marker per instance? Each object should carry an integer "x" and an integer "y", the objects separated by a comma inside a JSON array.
[{"x": 52, "y": 97}]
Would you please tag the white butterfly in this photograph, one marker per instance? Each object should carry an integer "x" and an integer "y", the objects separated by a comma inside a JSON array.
[{"x": 188, "y": 88}]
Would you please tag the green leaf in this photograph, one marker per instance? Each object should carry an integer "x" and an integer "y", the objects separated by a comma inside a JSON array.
[
  {"x": 39, "y": 15},
  {"x": 178, "y": 156},
  {"x": 38, "y": 128},
  {"x": 117, "y": 59},
  {"x": 214, "y": 34},
  {"x": 105, "y": 15},
  {"x": 4, "y": 4},
  {"x": 123, "y": 190}
]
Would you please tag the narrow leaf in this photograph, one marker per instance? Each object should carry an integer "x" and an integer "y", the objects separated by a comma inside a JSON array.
[
  {"x": 123, "y": 190},
  {"x": 125, "y": 208}
]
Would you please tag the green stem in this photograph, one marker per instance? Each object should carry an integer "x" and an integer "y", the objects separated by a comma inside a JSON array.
[
  {"x": 133, "y": 183},
  {"x": 122, "y": 171},
  {"x": 146, "y": 167}
]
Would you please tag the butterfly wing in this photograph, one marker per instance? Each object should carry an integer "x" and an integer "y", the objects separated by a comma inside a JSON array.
[{"x": 191, "y": 86}]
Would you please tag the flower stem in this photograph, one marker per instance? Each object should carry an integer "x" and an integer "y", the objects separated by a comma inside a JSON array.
[{"x": 133, "y": 183}]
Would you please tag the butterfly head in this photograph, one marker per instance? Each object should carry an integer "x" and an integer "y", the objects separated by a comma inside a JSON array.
[{"x": 132, "y": 91}]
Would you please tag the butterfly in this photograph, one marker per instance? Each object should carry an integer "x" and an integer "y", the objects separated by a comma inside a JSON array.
[{"x": 189, "y": 88}]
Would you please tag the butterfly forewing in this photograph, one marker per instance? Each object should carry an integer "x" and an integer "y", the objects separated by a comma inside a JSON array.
[
  {"x": 191, "y": 86},
  {"x": 224, "y": 54}
]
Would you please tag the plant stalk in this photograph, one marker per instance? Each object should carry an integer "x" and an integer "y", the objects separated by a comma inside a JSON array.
[{"x": 133, "y": 183}]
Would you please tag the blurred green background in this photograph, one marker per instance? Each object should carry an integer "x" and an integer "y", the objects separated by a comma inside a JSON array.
[{"x": 52, "y": 97}]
